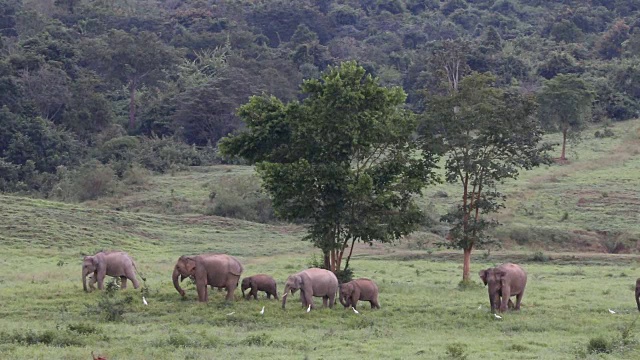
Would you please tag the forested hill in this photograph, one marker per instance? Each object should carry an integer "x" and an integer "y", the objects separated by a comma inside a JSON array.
[{"x": 113, "y": 80}]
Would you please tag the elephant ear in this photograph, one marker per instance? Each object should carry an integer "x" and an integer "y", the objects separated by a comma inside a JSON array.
[
  {"x": 190, "y": 265},
  {"x": 499, "y": 274},
  {"x": 483, "y": 276}
]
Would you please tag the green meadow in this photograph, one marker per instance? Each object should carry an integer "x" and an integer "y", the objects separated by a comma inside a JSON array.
[{"x": 560, "y": 223}]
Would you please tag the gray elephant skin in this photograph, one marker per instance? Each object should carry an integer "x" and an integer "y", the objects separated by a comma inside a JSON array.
[
  {"x": 503, "y": 282},
  {"x": 359, "y": 290},
  {"x": 113, "y": 263},
  {"x": 215, "y": 270},
  {"x": 312, "y": 282},
  {"x": 259, "y": 282}
]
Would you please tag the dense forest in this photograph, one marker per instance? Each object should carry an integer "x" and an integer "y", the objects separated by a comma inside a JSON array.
[{"x": 111, "y": 87}]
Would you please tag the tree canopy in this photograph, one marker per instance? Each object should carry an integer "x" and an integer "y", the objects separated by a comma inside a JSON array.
[
  {"x": 342, "y": 160},
  {"x": 487, "y": 135}
]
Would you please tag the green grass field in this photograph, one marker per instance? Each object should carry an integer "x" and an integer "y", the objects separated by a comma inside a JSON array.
[{"x": 44, "y": 314}]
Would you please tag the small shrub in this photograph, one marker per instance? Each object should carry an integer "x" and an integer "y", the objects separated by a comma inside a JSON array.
[
  {"x": 91, "y": 181},
  {"x": 263, "y": 339},
  {"x": 241, "y": 197},
  {"x": 163, "y": 154},
  {"x": 83, "y": 328},
  {"x": 565, "y": 216},
  {"x": 345, "y": 275},
  {"x": 456, "y": 351},
  {"x": 598, "y": 345},
  {"x": 539, "y": 256},
  {"x": 111, "y": 307},
  {"x": 136, "y": 175}
]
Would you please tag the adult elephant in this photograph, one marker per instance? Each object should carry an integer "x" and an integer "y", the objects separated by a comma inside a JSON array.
[
  {"x": 113, "y": 263},
  {"x": 312, "y": 282},
  {"x": 359, "y": 289},
  {"x": 215, "y": 270},
  {"x": 504, "y": 281}
]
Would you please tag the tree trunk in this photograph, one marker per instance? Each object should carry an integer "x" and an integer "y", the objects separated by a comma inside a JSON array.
[
  {"x": 132, "y": 105},
  {"x": 327, "y": 259},
  {"x": 564, "y": 144},
  {"x": 466, "y": 266}
]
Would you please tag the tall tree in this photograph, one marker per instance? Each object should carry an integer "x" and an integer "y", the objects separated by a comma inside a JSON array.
[
  {"x": 487, "y": 134},
  {"x": 342, "y": 160},
  {"x": 565, "y": 106},
  {"x": 133, "y": 60}
]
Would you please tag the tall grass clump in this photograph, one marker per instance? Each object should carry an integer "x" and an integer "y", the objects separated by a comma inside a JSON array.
[{"x": 241, "y": 197}]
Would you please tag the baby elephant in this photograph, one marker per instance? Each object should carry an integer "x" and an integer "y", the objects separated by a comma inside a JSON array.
[
  {"x": 359, "y": 289},
  {"x": 260, "y": 282}
]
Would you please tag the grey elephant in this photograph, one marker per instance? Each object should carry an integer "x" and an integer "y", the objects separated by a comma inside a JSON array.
[
  {"x": 113, "y": 263},
  {"x": 312, "y": 282},
  {"x": 259, "y": 282},
  {"x": 215, "y": 270},
  {"x": 359, "y": 289},
  {"x": 504, "y": 281}
]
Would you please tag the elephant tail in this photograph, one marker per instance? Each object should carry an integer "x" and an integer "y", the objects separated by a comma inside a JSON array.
[{"x": 138, "y": 271}]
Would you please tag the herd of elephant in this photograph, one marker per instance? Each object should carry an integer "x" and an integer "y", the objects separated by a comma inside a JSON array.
[{"x": 223, "y": 272}]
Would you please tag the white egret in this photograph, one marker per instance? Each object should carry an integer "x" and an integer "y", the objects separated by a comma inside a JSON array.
[
  {"x": 309, "y": 308},
  {"x": 262, "y": 311},
  {"x": 611, "y": 311},
  {"x": 144, "y": 301},
  {"x": 231, "y": 313},
  {"x": 355, "y": 311},
  {"x": 497, "y": 316}
]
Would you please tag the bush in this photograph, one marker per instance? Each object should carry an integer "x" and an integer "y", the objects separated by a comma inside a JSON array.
[
  {"x": 456, "y": 351},
  {"x": 241, "y": 198},
  {"x": 599, "y": 345},
  {"x": 91, "y": 181},
  {"x": 162, "y": 154},
  {"x": 539, "y": 256}
]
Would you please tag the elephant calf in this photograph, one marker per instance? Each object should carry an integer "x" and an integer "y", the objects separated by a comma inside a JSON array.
[
  {"x": 112, "y": 263},
  {"x": 359, "y": 289},
  {"x": 260, "y": 282},
  {"x": 504, "y": 281}
]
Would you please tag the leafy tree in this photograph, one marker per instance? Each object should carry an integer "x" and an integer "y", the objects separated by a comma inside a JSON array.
[
  {"x": 610, "y": 44},
  {"x": 487, "y": 134},
  {"x": 133, "y": 60},
  {"x": 565, "y": 105},
  {"x": 342, "y": 160}
]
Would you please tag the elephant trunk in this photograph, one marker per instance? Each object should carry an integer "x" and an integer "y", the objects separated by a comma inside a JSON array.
[
  {"x": 176, "y": 282},
  {"x": 284, "y": 296},
  {"x": 344, "y": 301}
]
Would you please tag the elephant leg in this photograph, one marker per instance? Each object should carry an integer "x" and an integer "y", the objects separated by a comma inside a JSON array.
[
  {"x": 519, "y": 300},
  {"x": 123, "y": 282},
  {"x": 93, "y": 280},
  {"x": 510, "y": 304},
  {"x": 308, "y": 298},
  {"x": 201, "y": 286},
  {"x": 100, "y": 278},
  {"x": 268, "y": 295},
  {"x": 324, "y": 301},
  {"x": 332, "y": 299},
  {"x": 354, "y": 302},
  {"x": 231, "y": 287},
  {"x": 374, "y": 303},
  {"x": 254, "y": 292}
]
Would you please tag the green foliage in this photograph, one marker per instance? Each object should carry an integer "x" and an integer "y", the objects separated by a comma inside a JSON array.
[
  {"x": 241, "y": 198},
  {"x": 456, "y": 351},
  {"x": 341, "y": 160},
  {"x": 89, "y": 182},
  {"x": 565, "y": 105},
  {"x": 599, "y": 345},
  {"x": 471, "y": 126}
]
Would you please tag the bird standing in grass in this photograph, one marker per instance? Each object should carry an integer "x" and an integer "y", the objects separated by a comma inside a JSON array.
[
  {"x": 611, "y": 311},
  {"x": 262, "y": 311},
  {"x": 355, "y": 311},
  {"x": 497, "y": 316},
  {"x": 144, "y": 301},
  {"x": 309, "y": 308}
]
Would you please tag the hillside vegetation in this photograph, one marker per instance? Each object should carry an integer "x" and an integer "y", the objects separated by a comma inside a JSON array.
[{"x": 424, "y": 314}]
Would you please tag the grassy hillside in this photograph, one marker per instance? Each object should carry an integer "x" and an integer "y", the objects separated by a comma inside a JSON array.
[{"x": 45, "y": 313}]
